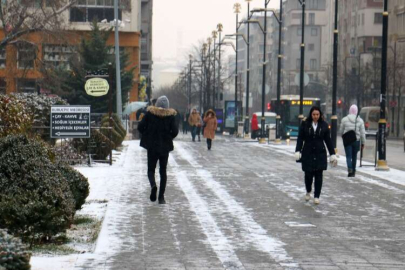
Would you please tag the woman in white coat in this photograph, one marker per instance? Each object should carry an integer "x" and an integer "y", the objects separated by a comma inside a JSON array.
[{"x": 353, "y": 122}]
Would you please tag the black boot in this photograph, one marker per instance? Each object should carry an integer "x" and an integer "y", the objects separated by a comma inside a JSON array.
[
  {"x": 153, "y": 194},
  {"x": 350, "y": 174},
  {"x": 162, "y": 200}
]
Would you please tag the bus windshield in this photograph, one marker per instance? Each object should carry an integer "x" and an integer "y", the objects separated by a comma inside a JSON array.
[{"x": 295, "y": 112}]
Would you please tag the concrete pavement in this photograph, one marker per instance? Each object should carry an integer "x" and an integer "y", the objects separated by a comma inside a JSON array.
[{"x": 241, "y": 206}]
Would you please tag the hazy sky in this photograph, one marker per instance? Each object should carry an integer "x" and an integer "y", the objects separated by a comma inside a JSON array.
[{"x": 193, "y": 20}]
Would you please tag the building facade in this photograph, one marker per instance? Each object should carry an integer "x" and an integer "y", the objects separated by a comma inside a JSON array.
[
  {"x": 360, "y": 40},
  {"x": 318, "y": 46},
  {"x": 256, "y": 61},
  {"x": 146, "y": 42},
  {"x": 20, "y": 66},
  {"x": 396, "y": 58}
]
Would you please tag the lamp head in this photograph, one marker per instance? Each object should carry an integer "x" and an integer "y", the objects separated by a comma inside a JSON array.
[
  {"x": 209, "y": 41},
  {"x": 204, "y": 47},
  {"x": 214, "y": 34},
  {"x": 220, "y": 27},
  {"x": 237, "y": 7},
  {"x": 190, "y": 56}
]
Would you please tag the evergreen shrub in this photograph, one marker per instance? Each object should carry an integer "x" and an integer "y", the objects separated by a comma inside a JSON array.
[
  {"x": 35, "y": 198},
  {"x": 78, "y": 184},
  {"x": 13, "y": 254}
]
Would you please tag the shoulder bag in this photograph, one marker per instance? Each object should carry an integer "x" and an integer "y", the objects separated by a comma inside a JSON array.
[{"x": 350, "y": 136}]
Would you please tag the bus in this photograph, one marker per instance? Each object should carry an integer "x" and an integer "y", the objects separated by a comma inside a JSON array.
[{"x": 289, "y": 112}]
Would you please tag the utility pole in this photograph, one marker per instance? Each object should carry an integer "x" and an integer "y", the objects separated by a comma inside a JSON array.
[
  {"x": 334, "y": 84},
  {"x": 117, "y": 62},
  {"x": 382, "y": 155}
]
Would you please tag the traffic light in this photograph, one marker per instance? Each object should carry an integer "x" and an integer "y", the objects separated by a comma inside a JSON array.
[
  {"x": 268, "y": 106},
  {"x": 339, "y": 103}
]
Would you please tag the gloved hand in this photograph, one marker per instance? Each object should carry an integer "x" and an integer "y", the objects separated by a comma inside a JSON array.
[
  {"x": 333, "y": 160},
  {"x": 297, "y": 155}
]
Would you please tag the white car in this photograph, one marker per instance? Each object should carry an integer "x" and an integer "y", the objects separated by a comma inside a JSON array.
[{"x": 270, "y": 119}]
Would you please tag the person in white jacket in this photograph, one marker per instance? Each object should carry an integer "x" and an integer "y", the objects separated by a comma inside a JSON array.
[{"x": 353, "y": 122}]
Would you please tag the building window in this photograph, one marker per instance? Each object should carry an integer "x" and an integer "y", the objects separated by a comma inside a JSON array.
[
  {"x": 311, "y": 47},
  {"x": 3, "y": 57},
  {"x": 314, "y": 32},
  {"x": 89, "y": 10},
  {"x": 362, "y": 19},
  {"x": 26, "y": 86},
  {"x": 311, "y": 19},
  {"x": 298, "y": 63},
  {"x": 313, "y": 64},
  {"x": 26, "y": 56},
  {"x": 378, "y": 18},
  {"x": 3, "y": 86},
  {"x": 299, "y": 32},
  {"x": 55, "y": 56}
]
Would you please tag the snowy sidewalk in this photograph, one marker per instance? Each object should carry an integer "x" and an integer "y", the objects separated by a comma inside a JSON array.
[{"x": 239, "y": 206}]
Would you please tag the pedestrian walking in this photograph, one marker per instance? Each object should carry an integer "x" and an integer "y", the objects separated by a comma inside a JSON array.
[
  {"x": 254, "y": 127},
  {"x": 354, "y": 134},
  {"x": 211, "y": 124},
  {"x": 194, "y": 120},
  {"x": 158, "y": 128},
  {"x": 185, "y": 123},
  {"x": 199, "y": 129},
  {"x": 314, "y": 133}
]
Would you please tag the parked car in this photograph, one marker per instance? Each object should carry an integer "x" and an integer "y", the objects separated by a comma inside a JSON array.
[{"x": 371, "y": 117}]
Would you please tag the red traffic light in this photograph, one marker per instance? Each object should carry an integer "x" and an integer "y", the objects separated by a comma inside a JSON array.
[
  {"x": 339, "y": 102},
  {"x": 268, "y": 106}
]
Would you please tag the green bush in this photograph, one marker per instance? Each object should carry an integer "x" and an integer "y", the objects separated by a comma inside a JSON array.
[
  {"x": 78, "y": 184},
  {"x": 13, "y": 254},
  {"x": 40, "y": 107},
  {"x": 118, "y": 131},
  {"x": 15, "y": 117},
  {"x": 35, "y": 199},
  {"x": 98, "y": 144}
]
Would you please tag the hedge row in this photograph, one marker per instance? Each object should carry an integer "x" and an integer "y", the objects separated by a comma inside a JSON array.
[{"x": 38, "y": 197}]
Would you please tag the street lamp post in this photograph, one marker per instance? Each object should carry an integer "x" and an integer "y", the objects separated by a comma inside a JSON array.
[
  {"x": 247, "y": 73},
  {"x": 237, "y": 8},
  {"x": 382, "y": 155},
  {"x": 189, "y": 81},
  {"x": 301, "y": 116},
  {"x": 334, "y": 90},
  {"x": 117, "y": 62},
  {"x": 264, "y": 30},
  {"x": 219, "y": 29},
  {"x": 208, "y": 75},
  {"x": 214, "y": 37},
  {"x": 280, "y": 56},
  {"x": 203, "y": 51}
]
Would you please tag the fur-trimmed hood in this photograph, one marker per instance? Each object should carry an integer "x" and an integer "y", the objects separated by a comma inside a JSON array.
[
  {"x": 210, "y": 111},
  {"x": 161, "y": 112}
]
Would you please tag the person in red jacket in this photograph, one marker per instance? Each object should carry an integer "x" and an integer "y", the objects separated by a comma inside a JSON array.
[{"x": 254, "y": 127}]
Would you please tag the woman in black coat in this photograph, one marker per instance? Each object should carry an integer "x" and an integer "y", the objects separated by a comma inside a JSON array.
[
  {"x": 158, "y": 128},
  {"x": 314, "y": 133}
]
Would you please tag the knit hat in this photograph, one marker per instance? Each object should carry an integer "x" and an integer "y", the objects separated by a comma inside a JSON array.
[
  {"x": 162, "y": 102},
  {"x": 353, "y": 109}
]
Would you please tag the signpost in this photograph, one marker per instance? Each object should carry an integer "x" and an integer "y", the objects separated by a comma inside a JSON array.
[
  {"x": 96, "y": 87},
  {"x": 70, "y": 121}
]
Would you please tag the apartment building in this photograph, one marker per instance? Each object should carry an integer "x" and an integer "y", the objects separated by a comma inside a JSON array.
[
  {"x": 318, "y": 45},
  {"x": 20, "y": 65},
  {"x": 146, "y": 42},
  {"x": 360, "y": 42},
  {"x": 396, "y": 58},
  {"x": 256, "y": 60}
]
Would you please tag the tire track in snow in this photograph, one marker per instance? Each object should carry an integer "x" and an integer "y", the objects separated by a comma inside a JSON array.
[
  {"x": 216, "y": 238},
  {"x": 255, "y": 234}
]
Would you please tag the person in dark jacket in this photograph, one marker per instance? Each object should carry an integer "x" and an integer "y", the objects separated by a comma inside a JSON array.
[
  {"x": 314, "y": 133},
  {"x": 158, "y": 128}
]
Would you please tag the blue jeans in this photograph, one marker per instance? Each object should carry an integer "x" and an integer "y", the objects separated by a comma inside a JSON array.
[
  {"x": 351, "y": 155},
  {"x": 193, "y": 132}
]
